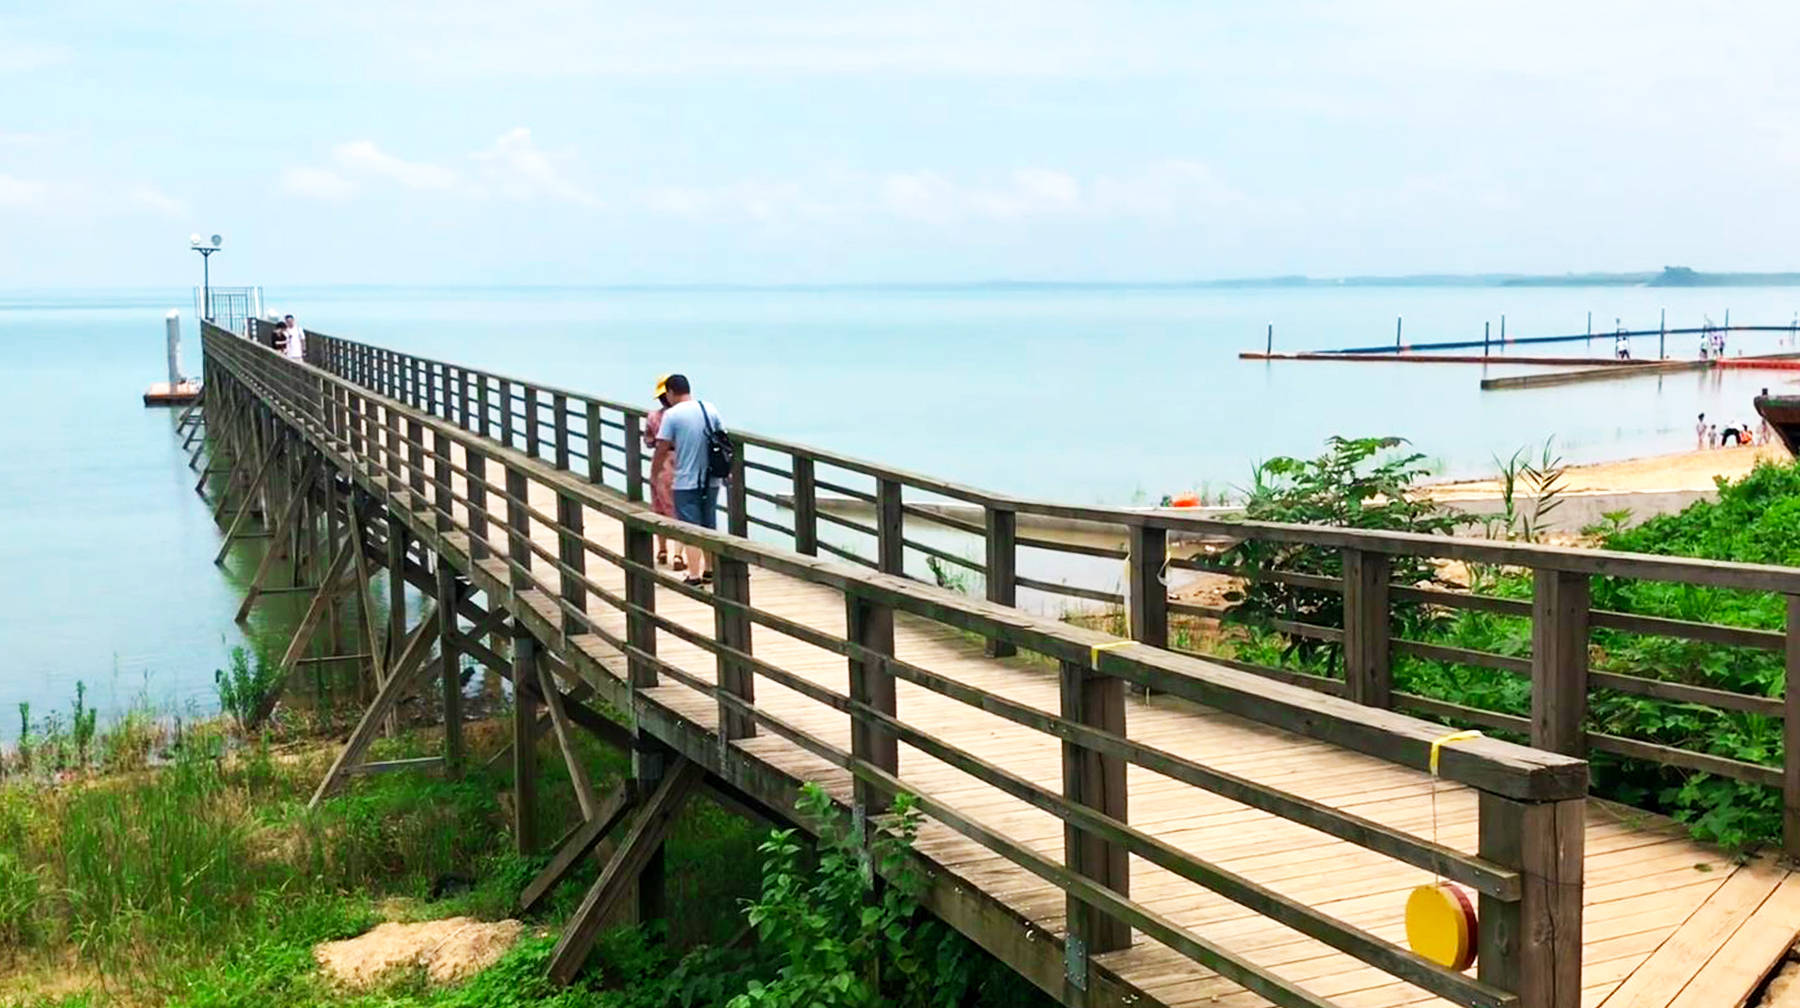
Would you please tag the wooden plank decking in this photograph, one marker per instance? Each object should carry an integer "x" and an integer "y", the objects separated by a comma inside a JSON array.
[{"x": 1649, "y": 889}]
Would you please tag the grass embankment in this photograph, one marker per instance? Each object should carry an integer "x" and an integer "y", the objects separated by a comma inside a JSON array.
[{"x": 207, "y": 882}]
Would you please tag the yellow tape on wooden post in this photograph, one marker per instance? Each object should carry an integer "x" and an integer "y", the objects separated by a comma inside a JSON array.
[
  {"x": 1094, "y": 652},
  {"x": 1440, "y": 742}
]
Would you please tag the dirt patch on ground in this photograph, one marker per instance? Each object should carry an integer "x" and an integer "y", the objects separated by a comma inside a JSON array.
[{"x": 448, "y": 950}]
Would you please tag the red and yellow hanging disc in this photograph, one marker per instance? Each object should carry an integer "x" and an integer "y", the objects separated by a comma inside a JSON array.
[{"x": 1441, "y": 925}]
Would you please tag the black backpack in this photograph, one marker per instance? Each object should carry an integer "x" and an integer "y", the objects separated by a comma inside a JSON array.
[{"x": 720, "y": 454}]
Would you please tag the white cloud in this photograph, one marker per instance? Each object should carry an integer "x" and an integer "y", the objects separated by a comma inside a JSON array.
[
  {"x": 315, "y": 183},
  {"x": 149, "y": 197},
  {"x": 18, "y": 192},
  {"x": 22, "y": 57},
  {"x": 765, "y": 202},
  {"x": 363, "y": 157},
  {"x": 519, "y": 169}
]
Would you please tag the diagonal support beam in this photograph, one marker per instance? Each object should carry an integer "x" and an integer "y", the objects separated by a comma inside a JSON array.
[
  {"x": 565, "y": 740},
  {"x": 278, "y": 548},
  {"x": 645, "y": 838},
  {"x": 406, "y": 667},
  {"x": 607, "y": 814},
  {"x": 244, "y": 508},
  {"x": 333, "y": 585}
]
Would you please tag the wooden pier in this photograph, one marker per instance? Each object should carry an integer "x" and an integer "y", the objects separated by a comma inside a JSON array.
[{"x": 1118, "y": 820}]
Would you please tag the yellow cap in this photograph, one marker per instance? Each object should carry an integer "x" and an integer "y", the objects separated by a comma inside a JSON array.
[{"x": 662, "y": 385}]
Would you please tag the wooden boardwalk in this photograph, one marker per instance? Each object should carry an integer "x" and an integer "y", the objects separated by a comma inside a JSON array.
[
  {"x": 1043, "y": 793},
  {"x": 1646, "y": 882}
]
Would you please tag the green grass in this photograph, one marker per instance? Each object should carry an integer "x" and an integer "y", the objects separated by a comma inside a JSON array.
[{"x": 207, "y": 883}]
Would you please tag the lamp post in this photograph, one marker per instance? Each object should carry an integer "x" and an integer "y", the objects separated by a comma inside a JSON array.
[{"x": 206, "y": 248}]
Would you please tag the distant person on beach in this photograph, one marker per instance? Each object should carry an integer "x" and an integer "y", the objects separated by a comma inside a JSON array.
[
  {"x": 1712, "y": 436},
  {"x": 291, "y": 339},
  {"x": 662, "y": 472},
  {"x": 1700, "y": 431},
  {"x": 686, "y": 432},
  {"x": 1621, "y": 347},
  {"x": 1729, "y": 436}
]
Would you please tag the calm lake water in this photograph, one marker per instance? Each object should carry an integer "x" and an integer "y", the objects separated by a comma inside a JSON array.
[{"x": 1088, "y": 395}]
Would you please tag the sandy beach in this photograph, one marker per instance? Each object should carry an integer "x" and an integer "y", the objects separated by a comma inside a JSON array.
[{"x": 1692, "y": 470}]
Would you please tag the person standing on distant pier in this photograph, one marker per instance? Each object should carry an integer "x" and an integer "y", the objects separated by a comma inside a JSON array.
[
  {"x": 688, "y": 430},
  {"x": 662, "y": 472},
  {"x": 292, "y": 338}
]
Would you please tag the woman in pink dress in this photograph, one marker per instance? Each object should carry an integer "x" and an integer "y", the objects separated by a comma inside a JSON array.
[{"x": 662, "y": 478}]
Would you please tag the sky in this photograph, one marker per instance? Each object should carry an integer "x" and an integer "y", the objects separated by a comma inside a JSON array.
[{"x": 534, "y": 142}]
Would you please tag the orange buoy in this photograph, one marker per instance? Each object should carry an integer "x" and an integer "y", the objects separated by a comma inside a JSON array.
[
  {"x": 1186, "y": 500},
  {"x": 1441, "y": 925}
]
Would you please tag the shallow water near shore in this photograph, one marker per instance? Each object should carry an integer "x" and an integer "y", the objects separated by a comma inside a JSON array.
[{"x": 1091, "y": 395}]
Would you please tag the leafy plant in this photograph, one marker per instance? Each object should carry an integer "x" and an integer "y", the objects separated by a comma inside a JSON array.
[
  {"x": 848, "y": 931},
  {"x": 81, "y": 724},
  {"x": 243, "y": 689},
  {"x": 1359, "y": 483},
  {"x": 1542, "y": 483}
]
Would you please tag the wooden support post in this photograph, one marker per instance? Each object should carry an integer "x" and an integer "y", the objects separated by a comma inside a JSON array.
[
  {"x": 634, "y": 458},
  {"x": 596, "y": 444},
  {"x": 1532, "y": 947},
  {"x": 650, "y": 771},
  {"x": 444, "y": 500},
  {"x": 365, "y": 596},
  {"x": 871, "y": 626},
  {"x": 449, "y": 593},
  {"x": 890, "y": 526},
  {"x": 640, "y": 596},
  {"x": 396, "y": 580},
  {"x": 483, "y": 409},
  {"x": 1097, "y": 781},
  {"x": 731, "y": 628},
  {"x": 1146, "y": 596},
  {"x": 504, "y": 394},
  {"x": 559, "y": 429},
  {"x": 534, "y": 426},
  {"x": 737, "y": 496},
  {"x": 415, "y": 463},
  {"x": 640, "y": 845},
  {"x": 518, "y": 528},
  {"x": 806, "y": 506},
  {"x": 524, "y": 671},
  {"x": 1001, "y": 539},
  {"x": 1559, "y": 661},
  {"x": 476, "y": 464},
  {"x": 573, "y": 554},
  {"x": 1790, "y": 815},
  {"x": 1368, "y": 672}
]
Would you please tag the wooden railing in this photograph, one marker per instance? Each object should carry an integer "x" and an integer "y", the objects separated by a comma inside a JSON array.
[
  {"x": 895, "y": 521},
  {"x": 456, "y": 453}
]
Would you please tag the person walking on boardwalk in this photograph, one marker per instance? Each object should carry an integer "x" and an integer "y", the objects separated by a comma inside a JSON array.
[
  {"x": 687, "y": 432},
  {"x": 662, "y": 472}
]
